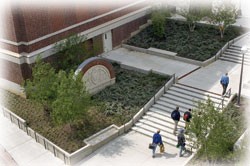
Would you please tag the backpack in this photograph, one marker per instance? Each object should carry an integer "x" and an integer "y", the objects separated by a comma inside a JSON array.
[
  {"x": 185, "y": 117},
  {"x": 173, "y": 115}
]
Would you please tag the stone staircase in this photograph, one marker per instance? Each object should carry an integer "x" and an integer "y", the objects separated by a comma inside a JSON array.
[
  {"x": 233, "y": 54},
  {"x": 159, "y": 114}
]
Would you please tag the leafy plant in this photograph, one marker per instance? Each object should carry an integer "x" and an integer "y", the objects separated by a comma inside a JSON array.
[
  {"x": 71, "y": 50},
  {"x": 215, "y": 132},
  {"x": 72, "y": 101},
  {"x": 223, "y": 15},
  {"x": 43, "y": 85},
  {"x": 63, "y": 95},
  {"x": 158, "y": 18},
  {"x": 193, "y": 15}
]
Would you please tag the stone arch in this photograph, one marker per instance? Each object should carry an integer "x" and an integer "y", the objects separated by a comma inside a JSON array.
[{"x": 97, "y": 73}]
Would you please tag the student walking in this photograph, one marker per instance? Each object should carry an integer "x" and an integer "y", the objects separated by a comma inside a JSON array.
[
  {"x": 181, "y": 141},
  {"x": 224, "y": 81},
  {"x": 175, "y": 115},
  {"x": 186, "y": 117},
  {"x": 156, "y": 141}
]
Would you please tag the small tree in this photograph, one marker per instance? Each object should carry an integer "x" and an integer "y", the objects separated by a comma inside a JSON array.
[
  {"x": 223, "y": 15},
  {"x": 71, "y": 49},
  {"x": 214, "y": 131},
  {"x": 72, "y": 101},
  {"x": 42, "y": 87},
  {"x": 63, "y": 95},
  {"x": 158, "y": 18}
]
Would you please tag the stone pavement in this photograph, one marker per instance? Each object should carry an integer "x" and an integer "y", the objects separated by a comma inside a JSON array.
[
  {"x": 149, "y": 62},
  {"x": 17, "y": 148},
  {"x": 132, "y": 150}
]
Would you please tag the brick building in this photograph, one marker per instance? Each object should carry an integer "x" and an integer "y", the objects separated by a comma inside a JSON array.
[{"x": 29, "y": 31}]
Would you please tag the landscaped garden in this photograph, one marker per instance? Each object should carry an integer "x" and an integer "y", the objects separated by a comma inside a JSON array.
[
  {"x": 114, "y": 105},
  {"x": 201, "y": 44}
]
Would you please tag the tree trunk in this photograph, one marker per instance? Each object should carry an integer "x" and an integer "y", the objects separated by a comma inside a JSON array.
[
  {"x": 191, "y": 27},
  {"x": 221, "y": 27}
]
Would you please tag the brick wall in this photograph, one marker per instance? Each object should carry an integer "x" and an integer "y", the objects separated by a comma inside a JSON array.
[{"x": 32, "y": 23}]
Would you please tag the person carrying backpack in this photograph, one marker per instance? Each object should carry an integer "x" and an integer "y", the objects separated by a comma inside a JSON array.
[
  {"x": 175, "y": 115},
  {"x": 186, "y": 117}
]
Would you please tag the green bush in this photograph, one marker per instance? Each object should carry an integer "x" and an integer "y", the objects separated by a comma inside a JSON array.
[
  {"x": 215, "y": 132},
  {"x": 158, "y": 22}
]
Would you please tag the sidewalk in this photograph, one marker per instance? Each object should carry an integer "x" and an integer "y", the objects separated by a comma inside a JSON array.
[
  {"x": 131, "y": 149},
  {"x": 149, "y": 62},
  {"x": 17, "y": 148}
]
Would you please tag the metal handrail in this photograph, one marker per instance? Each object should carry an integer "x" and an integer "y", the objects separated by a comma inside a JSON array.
[{"x": 227, "y": 94}]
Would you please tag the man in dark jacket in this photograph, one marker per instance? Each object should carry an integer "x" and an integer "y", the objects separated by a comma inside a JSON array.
[
  {"x": 175, "y": 115},
  {"x": 156, "y": 141}
]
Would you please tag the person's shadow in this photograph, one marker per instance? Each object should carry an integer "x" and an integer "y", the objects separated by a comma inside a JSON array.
[{"x": 172, "y": 155}]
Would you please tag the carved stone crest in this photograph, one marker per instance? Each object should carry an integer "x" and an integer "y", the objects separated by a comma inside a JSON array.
[{"x": 97, "y": 74}]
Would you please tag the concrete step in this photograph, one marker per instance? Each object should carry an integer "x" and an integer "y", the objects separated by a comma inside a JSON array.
[
  {"x": 169, "y": 108},
  {"x": 233, "y": 46},
  {"x": 183, "y": 107},
  {"x": 193, "y": 103},
  {"x": 163, "y": 116},
  {"x": 196, "y": 92},
  {"x": 195, "y": 96},
  {"x": 233, "y": 61},
  {"x": 168, "y": 96},
  {"x": 236, "y": 52},
  {"x": 187, "y": 96},
  {"x": 156, "y": 125},
  {"x": 233, "y": 50},
  {"x": 236, "y": 57}
]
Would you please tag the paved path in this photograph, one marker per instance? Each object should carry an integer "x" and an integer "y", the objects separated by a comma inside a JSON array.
[
  {"x": 16, "y": 148},
  {"x": 132, "y": 150},
  {"x": 149, "y": 62}
]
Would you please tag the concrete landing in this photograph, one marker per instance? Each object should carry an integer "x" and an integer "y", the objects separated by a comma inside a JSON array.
[{"x": 149, "y": 62}]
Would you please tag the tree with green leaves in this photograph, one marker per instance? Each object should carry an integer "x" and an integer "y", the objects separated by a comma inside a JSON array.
[
  {"x": 71, "y": 49},
  {"x": 42, "y": 87},
  {"x": 214, "y": 132},
  {"x": 195, "y": 13},
  {"x": 72, "y": 100},
  {"x": 158, "y": 18},
  {"x": 62, "y": 94},
  {"x": 223, "y": 15}
]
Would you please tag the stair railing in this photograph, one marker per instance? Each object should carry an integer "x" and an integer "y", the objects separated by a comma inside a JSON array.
[{"x": 228, "y": 95}]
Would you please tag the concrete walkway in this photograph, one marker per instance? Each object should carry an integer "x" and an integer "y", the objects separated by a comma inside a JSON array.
[
  {"x": 149, "y": 62},
  {"x": 132, "y": 150},
  {"x": 17, "y": 148}
]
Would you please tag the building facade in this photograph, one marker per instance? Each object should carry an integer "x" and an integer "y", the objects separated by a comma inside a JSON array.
[{"x": 29, "y": 31}]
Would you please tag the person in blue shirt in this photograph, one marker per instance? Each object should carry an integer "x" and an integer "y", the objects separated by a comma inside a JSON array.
[
  {"x": 224, "y": 81},
  {"x": 156, "y": 141}
]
